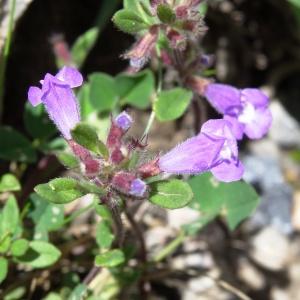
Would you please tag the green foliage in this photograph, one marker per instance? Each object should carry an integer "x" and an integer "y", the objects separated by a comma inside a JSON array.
[
  {"x": 128, "y": 21},
  {"x": 83, "y": 96},
  {"x": 68, "y": 159},
  {"x": 10, "y": 217},
  {"x": 19, "y": 247},
  {"x": 141, "y": 7},
  {"x": 37, "y": 122},
  {"x": 59, "y": 190},
  {"x": 171, "y": 194},
  {"x": 83, "y": 44},
  {"x": 165, "y": 13},
  {"x": 103, "y": 94},
  {"x": 15, "y": 146},
  {"x": 3, "y": 268},
  {"x": 104, "y": 236},
  {"x": 235, "y": 201},
  {"x": 9, "y": 183},
  {"x": 135, "y": 89},
  {"x": 40, "y": 255},
  {"x": 171, "y": 104},
  {"x": 45, "y": 215},
  {"x": 86, "y": 136},
  {"x": 110, "y": 258}
]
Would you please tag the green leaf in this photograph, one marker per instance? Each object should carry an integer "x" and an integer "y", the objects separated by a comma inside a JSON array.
[
  {"x": 110, "y": 259},
  {"x": 104, "y": 236},
  {"x": 9, "y": 183},
  {"x": 86, "y": 136},
  {"x": 103, "y": 94},
  {"x": 15, "y": 146},
  {"x": 128, "y": 21},
  {"x": 19, "y": 247},
  {"x": 89, "y": 187},
  {"x": 5, "y": 242},
  {"x": 83, "y": 44},
  {"x": 46, "y": 216},
  {"x": 84, "y": 100},
  {"x": 136, "y": 89},
  {"x": 10, "y": 216},
  {"x": 165, "y": 13},
  {"x": 68, "y": 160},
  {"x": 53, "y": 296},
  {"x": 235, "y": 201},
  {"x": 79, "y": 292},
  {"x": 37, "y": 122},
  {"x": 3, "y": 268},
  {"x": 171, "y": 104},
  {"x": 59, "y": 190},
  {"x": 40, "y": 255},
  {"x": 141, "y": 7},
  {"x": 171, "y": 194},
  {"x": 15, "y": 294},
  {"x": 103, "y": 212}
]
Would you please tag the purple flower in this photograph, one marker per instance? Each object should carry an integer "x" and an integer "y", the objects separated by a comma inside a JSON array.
[
  {"x": 59, "y": 100},
  {"x": 138, "y": 188},
  {"x": 213, "y": 149},
  {"x": 247, "y": 110},
  {"x": 123, "y": 121}
]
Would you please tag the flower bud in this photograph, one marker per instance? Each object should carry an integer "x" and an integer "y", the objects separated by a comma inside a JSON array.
[
  {"x": 61, "y": 49},
  {"x": 149, "y": 169},
  {"x": 177, "y": 40},
  {"x": 129, "y": 184},
  {"x": 119, "y": 127},
  {"x": 141, "y": 51}
]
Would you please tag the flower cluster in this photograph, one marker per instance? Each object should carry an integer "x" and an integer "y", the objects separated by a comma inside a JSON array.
[
  {"x": 176, "y": 21},
  {"x": 108, "y": 172},
  {"x": 213, "y": 149}
]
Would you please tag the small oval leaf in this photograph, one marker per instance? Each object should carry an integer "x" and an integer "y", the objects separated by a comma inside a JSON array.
[
  {"x": 171, "y": 104},
  {"x": 171, "y": 194},
  {"x": 128, "y": 21},
  {"x": 110, "y": 259}
]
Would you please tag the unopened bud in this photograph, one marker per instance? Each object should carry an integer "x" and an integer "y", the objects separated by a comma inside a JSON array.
[
  {"x": 119, "y": 127},
  {"x": 141, "y": 51},
  {"x": 124, "y": 121},
  {"x": 181, "y": 12},
  {"x": 149, "y": 169},
  {"x": 91, "y": 165},
  {"x": 61, "y": 49},
  {"x": 129, "y": 184},
  {"x": 177, "y": 40}
]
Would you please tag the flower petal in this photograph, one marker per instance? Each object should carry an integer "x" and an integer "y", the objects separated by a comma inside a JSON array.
[
  {"x": 255, "y": 97},
  {"x": 34, "y": 95},
  {"x": 193, "y": 156},
  {"x": 70, "y": 76},
  {"x": 224, "y": 98},
  {"x": 236, "y": 127},
  {"x": 61, "y": 105},
  {"x": 228, "y": 171},
  {"x": 260, "y": 124}
]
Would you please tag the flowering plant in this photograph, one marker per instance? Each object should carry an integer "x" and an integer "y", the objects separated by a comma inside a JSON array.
[{"x": 117, "y": 171}]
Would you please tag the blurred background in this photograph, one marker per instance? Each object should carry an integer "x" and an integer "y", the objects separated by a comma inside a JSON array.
[{"x": 255, "y": 43}]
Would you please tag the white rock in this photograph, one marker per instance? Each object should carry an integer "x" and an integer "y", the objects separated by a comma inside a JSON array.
[
  {"x": 250, "y": 275},
  {"x": 285, "y": 130},
  {"x": 270, "y": 249},
  {"x": 182, "y": 216}
]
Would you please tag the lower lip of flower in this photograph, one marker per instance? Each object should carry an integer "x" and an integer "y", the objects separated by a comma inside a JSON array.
[
  {"x": 226, "y": 152},
  {"x": 247, "y": 115}
]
